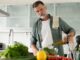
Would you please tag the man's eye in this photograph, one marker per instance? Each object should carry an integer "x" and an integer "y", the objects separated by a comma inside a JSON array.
[{"x": 37, "y": 11}]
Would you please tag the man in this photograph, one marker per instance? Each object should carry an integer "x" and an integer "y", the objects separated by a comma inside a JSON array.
[{"x": 44, "y": 34}]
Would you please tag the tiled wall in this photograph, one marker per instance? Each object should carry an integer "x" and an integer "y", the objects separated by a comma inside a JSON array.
[{"x": 69, "y": 12}]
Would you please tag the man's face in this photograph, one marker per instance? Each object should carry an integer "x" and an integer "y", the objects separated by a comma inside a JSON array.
[{"x": 41, "y": 10}]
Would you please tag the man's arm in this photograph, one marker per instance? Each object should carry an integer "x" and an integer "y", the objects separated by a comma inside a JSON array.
[
  {"x": 34, "y": 40},
  {"x": 69, "y": 31},
  {"x": 34, "y": 48},
  {"x": 33, "y": 45}
]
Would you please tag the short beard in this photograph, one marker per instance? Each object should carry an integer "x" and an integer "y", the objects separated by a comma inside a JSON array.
[{"x": 42, "y": 17}]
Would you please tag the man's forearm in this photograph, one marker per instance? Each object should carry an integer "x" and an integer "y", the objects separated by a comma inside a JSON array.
[
  {"x": 71, "y": 34},
  {"x": 34, "y": 48}
]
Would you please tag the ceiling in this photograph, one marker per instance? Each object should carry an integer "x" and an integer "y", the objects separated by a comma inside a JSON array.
[{"x": 23, "y": 2}]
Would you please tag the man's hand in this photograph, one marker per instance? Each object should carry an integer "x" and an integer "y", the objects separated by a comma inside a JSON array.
[
  {"x": 35, "y": 52},
  {"x": 70, "y": 39}
]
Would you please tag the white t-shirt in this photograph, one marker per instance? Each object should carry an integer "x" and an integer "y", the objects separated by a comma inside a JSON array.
[{"x": 47, "y": 40}]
